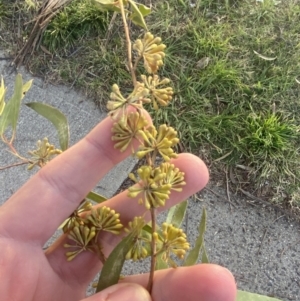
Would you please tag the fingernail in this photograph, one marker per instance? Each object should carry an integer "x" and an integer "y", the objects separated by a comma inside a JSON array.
[{"x": 127, "y": 292}]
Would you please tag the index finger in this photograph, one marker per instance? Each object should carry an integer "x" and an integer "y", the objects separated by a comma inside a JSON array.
[{"x": 58, "y": 188}]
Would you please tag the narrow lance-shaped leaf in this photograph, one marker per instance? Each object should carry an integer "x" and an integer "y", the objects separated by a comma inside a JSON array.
[
  {"x": 137, "y": 16},
  {"x": 112, "y": 268},
  {"x": 2, "y": 96},
  {"x": 246, "y": 296},
  {"x": 26, "y": 87},
  {"x": 98, "y": 198},
  {"x": 265, "y": 57},
  {"x": 193, "y": 255},
  {"x": 176, "y": 214},
  {"x": 204, "y": 258},
  {"x": 57, "y": 118},
  {"x": 11, "y": 111}
]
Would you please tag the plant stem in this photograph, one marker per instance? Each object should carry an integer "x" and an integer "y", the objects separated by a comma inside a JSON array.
[
  {"x": 98, "y": 250},
  {"x": 136, "y": 63},
  {"x": 153, "y": 250},
  {"x": 129, "y": 52},
  {"x": 153, "y": 159},
  {"x": 12, "y": 165}
]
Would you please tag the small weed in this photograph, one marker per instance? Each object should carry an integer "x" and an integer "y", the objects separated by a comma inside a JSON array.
[
  {"x": 267, "y": 136},
  {"x": 268, "y": 142}
]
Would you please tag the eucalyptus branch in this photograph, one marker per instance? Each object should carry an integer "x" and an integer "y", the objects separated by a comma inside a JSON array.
[
  {"x": 153, "y": 250},
  {"x": 129, "y": 51},
  {"x": 13, "y": 165},
  {"x": 98, "y": 252},
  {"x": 9, "y": 144},
  {"x": 14, "y": 151}
]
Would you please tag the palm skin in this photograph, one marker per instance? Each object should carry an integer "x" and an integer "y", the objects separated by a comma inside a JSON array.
[{"x": 33, "y": 213}]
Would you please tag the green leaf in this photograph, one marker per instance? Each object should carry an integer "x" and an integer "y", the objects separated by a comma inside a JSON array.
[
  {"x": 176, "y": 214},
  {"x": 245, "y": 296},
  {"x": 106, "y": 5},
  {"x": 2, "y": 96},
  {"x": 11, "y": 111},
  {"x": 145, "y": 10},
  {"x": 193, "y": 255},
  {"x": 57, "y": 118},
  {"x": 160, "y": 264},
  {"x": 112, "y": 268},
  {"x": 204, "y": 258},
  {"x": 98, "y": 198},
  {"x": 147, "y": 228},
  {"x": 26, "y": 87},
  {"x": 137, "y": 16}
]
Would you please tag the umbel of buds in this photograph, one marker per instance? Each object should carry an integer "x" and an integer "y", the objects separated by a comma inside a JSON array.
[
  {"x": 43, "y": 154},
  {"x": 84, "y": 230}
]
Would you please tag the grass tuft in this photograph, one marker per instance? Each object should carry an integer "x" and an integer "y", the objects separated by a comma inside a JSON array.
[{"x": 73, "y": 24}]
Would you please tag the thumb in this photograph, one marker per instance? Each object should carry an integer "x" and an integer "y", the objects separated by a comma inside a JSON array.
[{"x": 121, "y": 292}]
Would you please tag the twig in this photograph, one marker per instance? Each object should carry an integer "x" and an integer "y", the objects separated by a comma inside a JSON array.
[
  {"x": 291, "y": 245},
  {"x": 74, "y": 52},
  {"x": 12, "y": 165},
  {"x": 110, "y": 27},
  {"x": 266, "y": 230},
  {"x": 76, "y": 78},
  {"x": 262, "y": 240},
  {"x": 227, "y": 188},
  {"x": 129, "y": 53},
  {"x": 136, "y": 62},
  {"x": 215, "y": 193},
  {"x": 253, "y": 197},
  {"x": 153, "y": 250}
]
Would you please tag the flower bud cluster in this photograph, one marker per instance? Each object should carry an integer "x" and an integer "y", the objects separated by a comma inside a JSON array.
[
  {"x": 105, "y": 219},
  {"x": 84, "y": 230},
  {"x": 127, "y": 129},
  {"x": 174, "y": 242},
  {"x": 158, "y": 95},
  {"x": 152, "y": 187},
  {"x": 151, "y": 49},
  {"x": 141, "y": 246},
  {"x": 160, "y": 141},
  {"x": 81, "y": 235},
  {"x": 43, "y": 154},
  {"x": 118, "y": 104}
]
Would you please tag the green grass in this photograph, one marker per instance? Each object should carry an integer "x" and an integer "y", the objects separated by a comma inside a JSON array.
[
  {"x": 241, "y": 110},
  {"x": 3, "y": 12},
  {"x": 241, "y": 106},
  {"x": 77, "y": 21}
]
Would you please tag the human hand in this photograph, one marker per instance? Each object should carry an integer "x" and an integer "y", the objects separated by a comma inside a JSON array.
[{"x": 30, "y": 217}]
